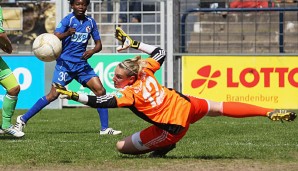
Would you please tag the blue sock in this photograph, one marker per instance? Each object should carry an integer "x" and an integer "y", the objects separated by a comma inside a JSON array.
[
  {"x": 104, "y": 117},
  {"x": 40, "y": 104}
]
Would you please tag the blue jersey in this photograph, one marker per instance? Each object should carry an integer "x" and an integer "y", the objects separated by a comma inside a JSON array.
[{"x": 74, "y": 46}]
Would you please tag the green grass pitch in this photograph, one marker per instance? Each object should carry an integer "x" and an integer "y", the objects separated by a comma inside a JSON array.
[{"x": 69, "y": 138}]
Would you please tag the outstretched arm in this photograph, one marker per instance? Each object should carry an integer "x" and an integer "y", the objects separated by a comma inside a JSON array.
[
  {"x": 105, "y": 101},
  {"x": 155, "y": 52}
]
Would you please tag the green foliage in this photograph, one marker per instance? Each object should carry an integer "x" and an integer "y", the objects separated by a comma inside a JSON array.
[{"x": 70, "y": 137}]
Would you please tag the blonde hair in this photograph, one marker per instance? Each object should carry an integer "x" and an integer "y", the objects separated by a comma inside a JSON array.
[{"x": 134, "y": 66}]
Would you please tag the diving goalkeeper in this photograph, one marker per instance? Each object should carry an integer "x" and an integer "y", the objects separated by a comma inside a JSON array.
[{"x": 170, "y": 112}]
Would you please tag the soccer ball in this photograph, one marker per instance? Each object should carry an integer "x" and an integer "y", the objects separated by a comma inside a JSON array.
[{"x": 47, "y": 47}]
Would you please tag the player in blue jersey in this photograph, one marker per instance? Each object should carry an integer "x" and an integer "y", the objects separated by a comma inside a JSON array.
[{"x": 74, "y": 30}]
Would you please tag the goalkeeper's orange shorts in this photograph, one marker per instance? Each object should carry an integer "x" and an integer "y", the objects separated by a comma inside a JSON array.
[{"x": 154, "y": 137}]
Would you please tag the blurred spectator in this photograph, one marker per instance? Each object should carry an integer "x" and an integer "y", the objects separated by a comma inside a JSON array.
[
  {"x": 212, "y": 4},
  {"x": 251, "y": 4},
  {"x": 134, "y": 6}
]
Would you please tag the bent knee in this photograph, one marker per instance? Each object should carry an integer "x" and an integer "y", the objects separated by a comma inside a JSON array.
[
  {"x": 14, "y": 91},
  {"x": 216, "y": 108},
  {"x": 100, "y": 92},
  {"x": 120, "y": 146},
  {"x": 126, "y": 147}
]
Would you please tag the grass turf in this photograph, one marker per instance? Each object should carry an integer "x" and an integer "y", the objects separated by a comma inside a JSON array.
[{"x": 70, "y": 137}]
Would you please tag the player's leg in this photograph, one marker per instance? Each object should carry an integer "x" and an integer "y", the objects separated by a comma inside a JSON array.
[
  {"x": 240, "y": 110},
  {"x": 236, "y": 109},
  {"x": 151, "y": 139},
  {"x": 12, "y": 87},
  {"x": 96, "y": 87},
  {"x": 92, "y": 81},
  {"x": 10, "y": 99},
  {"x": 200, "y": 107},
  {"x": 39, "y": 105},
  {"x": 59, "y": 73}
]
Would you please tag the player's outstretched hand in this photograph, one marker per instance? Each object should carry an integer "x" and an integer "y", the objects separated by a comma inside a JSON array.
[
  {"x": 125, "y": 40},
  {"x": 64, "y": 93}
]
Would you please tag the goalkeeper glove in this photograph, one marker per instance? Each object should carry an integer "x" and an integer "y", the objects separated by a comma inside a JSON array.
[
  {"x": 125, "y": 40},
  {"x": 65, "y": 94}
]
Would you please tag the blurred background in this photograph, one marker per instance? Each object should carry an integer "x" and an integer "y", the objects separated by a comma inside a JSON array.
[{"x": 186, "y": 29}]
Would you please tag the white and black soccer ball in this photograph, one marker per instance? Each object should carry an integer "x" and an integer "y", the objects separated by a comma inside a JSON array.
[{"x": 47, "y": 47}]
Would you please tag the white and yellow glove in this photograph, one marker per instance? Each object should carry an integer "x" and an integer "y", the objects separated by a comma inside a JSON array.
[
  {"x": 125, "y": 40},
  {"x": 64, "y": 93}
]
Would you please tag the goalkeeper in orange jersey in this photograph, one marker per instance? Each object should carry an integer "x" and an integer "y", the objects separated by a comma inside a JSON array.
[
  {"x": 169, "y": 111},
  {"x": 11, "y": 85}
]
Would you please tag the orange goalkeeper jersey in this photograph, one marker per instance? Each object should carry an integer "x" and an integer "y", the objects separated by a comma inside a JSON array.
[
  {"x": 153, "y": 102},
  {"x": 156, "y": 104}
]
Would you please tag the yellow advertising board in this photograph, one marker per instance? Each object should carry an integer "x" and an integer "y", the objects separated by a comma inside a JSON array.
[{"x": 268, "y": 81}]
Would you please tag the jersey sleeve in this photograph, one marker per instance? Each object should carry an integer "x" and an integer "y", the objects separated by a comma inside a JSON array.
[
  {"x": 95, "y": 33},
  {"x": 62, "y": 26},
  {"x": 105, "y": 101},
  {"x": 158, "y": 55},
  {"x": 117, "y": 99},
  {"x": 156, "y": 60}
]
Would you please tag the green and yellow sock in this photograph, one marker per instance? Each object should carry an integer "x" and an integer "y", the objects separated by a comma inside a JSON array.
[{"x": 9, "y": 105}]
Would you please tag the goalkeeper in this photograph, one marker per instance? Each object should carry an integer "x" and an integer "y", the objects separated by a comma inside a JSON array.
[
  {"x": 11, "y": 85},
  {"x": 169, "y": 111}
]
